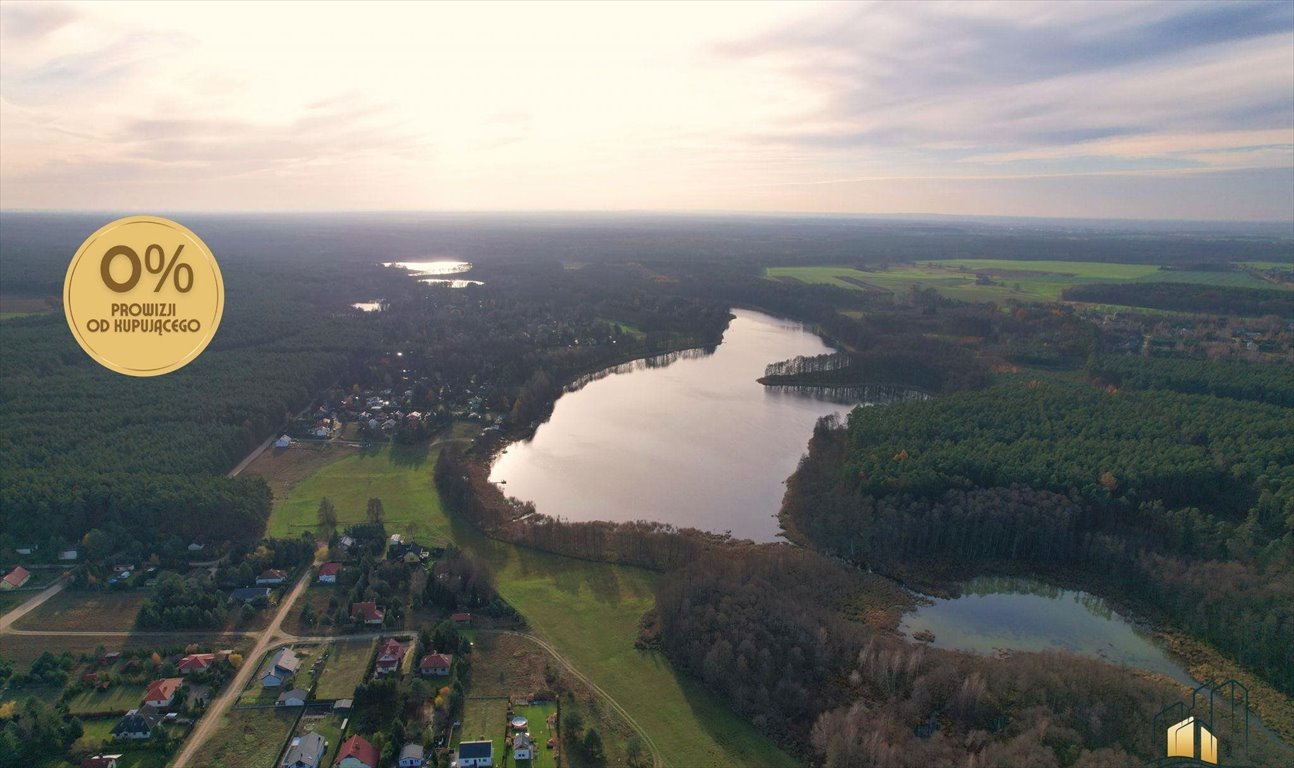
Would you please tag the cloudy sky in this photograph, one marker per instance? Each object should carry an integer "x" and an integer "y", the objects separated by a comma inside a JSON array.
[{"x": 1104, "y": 109}]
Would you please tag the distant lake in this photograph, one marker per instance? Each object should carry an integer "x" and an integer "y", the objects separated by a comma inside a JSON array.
[
  {"x": 368, "y": 306},
  {"x": 694, "y": 441},
  {"x": 1026, "y": 615},
  {"x": 426, "y": 271}
]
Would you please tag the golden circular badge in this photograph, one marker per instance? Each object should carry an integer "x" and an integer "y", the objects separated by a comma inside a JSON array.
[{"x": 143, "y": 296}]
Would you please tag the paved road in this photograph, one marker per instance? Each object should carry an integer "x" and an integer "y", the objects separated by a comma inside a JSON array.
[
  {"x": 31, "y": 605},
  {"x": 657, "y": 759},
  {"x": 210, "y": 719}
]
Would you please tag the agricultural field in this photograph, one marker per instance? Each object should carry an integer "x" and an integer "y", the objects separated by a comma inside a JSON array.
[
  {"x": 118, "y": 698},
  {"x": 344, "y": 668},
  {"x": 248, "y": 738},
  {"x": 21, "y": 306},
  {"x": 588, "y": 611},
  {"x": 1003, "y": 279},
  {"x": 507, "y": 665},
  {"x": 401, "y": 477},
  {"x": 78, "y": 610}
]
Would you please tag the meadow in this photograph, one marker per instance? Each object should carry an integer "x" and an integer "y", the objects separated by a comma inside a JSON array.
[
  {"x": 401, "y": 477},
  {"x": 1010, "y": 279},
  {"x": 485, "y": 719},
  {"x": 78, "y": 610},
  {"x": 344, "y": 669},
  {"x": 249, "y": 738},
  {"x": 589, "y": 611},
  {"x": 119, "y": 698}
]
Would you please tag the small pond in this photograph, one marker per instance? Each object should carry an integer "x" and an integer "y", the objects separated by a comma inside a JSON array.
[{"x": 1024, "y": 615}]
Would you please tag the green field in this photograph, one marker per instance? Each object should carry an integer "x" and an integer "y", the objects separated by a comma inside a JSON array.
[
  {"x": 485, "y": 719},
  {"x": 400, "y": 477},
  {"x": 248, "y": 738},
  {"x": 344, "y": 669},
  {"x": 588, "y": 611},
  {"x": 83, "y": 610},
  {"x": 118, "y": 698},
  {"x": 1018, "y": 280}
]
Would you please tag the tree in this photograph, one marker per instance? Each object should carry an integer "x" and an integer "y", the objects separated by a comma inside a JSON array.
[
  {"x": 375, "y": 514},
  {"x": 591, "y": 744},
  {"x": 327, "y": 514}
]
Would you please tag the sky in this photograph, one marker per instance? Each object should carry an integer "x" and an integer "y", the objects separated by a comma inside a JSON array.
[{"x": 1095, "y": 110}]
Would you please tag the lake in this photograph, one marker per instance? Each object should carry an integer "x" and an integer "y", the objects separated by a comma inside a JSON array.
[
  {"x": 694, "y": 442},
  {"x": 1025, "y": 615},
  {"x": 427, "y": 271}
]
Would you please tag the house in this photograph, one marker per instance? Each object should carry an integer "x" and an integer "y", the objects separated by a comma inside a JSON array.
[
  {"x": 357, "y": 752},
  {"x": 251, "y": 594},
  {"x": 197, "y": 546},
  {"x": 390, "y": 654},
  {"x": 346, "y": 542},
  {"x": 475, "y": 754},
  {"x": 27, "y": 550},
  {"x": 411, "y": 756},
  {"x": 367, "y": 612},
  {"x": 272, "y": 576},
  {"x": 15, "y": 578},
  {"x": 435, "y": 665},
  {"x": 342, "y": 705},
  {"x": 293, "y": 698},
  {"x": 161, "y": 693},
  {"x": 101, "y": 761},
  {"x": 68, "y": 554},
  {"x": 282, "y": 666},
  {"x": 461, "y": 618},
  {"x": 196, "y": 662},
  {"x": 328, "y": 573},
  {"x": 136, "y": 725},
  {"x": 305, "y": 752},
  {"x": 522, "y": 747},
  {"x": 283, "y": 442}
]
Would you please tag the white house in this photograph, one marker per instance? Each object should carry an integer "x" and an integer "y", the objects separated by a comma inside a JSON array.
[
  {"x": 328, "y": 573},
  {"x": 412, "y": 756},
  {"x": 293, "y": 698},
  {"x": 522, "y": 747},
  {"x": 68, "y": 554},
  {"x": 283, "y": 442},
  {"x": 475, "y": 754},
  {"x": 136, "y": 725}
]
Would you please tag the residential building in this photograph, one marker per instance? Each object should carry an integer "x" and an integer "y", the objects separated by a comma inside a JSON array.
[
  {"x": 475, "y": 754},
  {"x": 305, "y": 751},
  {"x": 293, "y": 698},
  {"x": 412, "y": 756},
  {"x": 328, "y": 573},
  {"x": 196, "y": 662},
  {"x": 367, "y": 612},
  {"x": 15, "y": 578},
  {"x": 161, "y": 693},
  {"x": 100, "y": 761},
  {"x": 435, "y": 665},
  {"x": 251, "y": 595},
  {"x": 282, "y": 666},
  {"x": 272, "y": 576},
  {"x": 136, "y": 725},
  {"x": 522, "y": 747},
  {"x": 390, "y": 655},
  {"x": 357, "y": 752}
]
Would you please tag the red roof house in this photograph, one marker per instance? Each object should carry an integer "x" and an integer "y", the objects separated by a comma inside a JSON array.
[
  {"x": 461, "y": 618},
  {"x": 272, "y": 576},
  {"x": 390, "y": 654},
  {"x": 356, "y": 752},
  {"x": 160, "y": 693},
  {"x": 435, "y": 664},
  {"x": 328, "y": 572},
  {"x": 100, "y": 761},
  {"x": 369, "y": 612},
  {"x": 15, "y": 578},
  {"x": 196, "y": 662}
]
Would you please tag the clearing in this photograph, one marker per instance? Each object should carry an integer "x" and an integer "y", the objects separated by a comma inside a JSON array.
[
  {"x": 344, "y": 668},
  {"x": 118, "y": 698},
  {"x": 283, "y": 468},
  {"x": 86, "y": 611},
  {"x": 248, "y": 738},
  {"x": 400, "y": 476},
  {"x": 485, "y": 719}
]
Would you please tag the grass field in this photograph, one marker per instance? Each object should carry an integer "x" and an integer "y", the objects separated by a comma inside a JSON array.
[
  {"x": 248, "y": 738},
  {"x": 11, "y": 600},
  {"x": 588, "y": 611},
  {"x": 24, "y": 649},
  {"x": 485, "y": 719},
  {"x": 344, "y": 669},
  {"x": 86, "y": 611},
  {"x": 118, "y": 698},
  {"x": 1019, "y": 280},
  {"x": 283, "y": 468},
  {"x": 400, "y": 477}
]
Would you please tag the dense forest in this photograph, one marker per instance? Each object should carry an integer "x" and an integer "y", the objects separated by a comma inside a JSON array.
[
  {"x": 1188, "y": 297},
  {"x": 1237, "y": 381},
  {"x": 1188, "y": 500}
]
